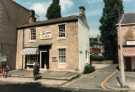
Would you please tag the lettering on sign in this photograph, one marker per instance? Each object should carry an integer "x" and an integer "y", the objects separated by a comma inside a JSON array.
[{"x": 45, "y": 35}]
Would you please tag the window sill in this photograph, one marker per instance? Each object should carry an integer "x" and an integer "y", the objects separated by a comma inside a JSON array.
[
  {"x": 61, "y": 38},
  {"x": 62, "y": 63},
  {"x": 32, "y": 40}
]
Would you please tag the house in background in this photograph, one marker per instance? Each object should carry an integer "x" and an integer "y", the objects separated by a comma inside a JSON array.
[
  {"x": 11, "y": 16},
  {"x": 60, "y": 44},
  {"x": 126, "y": 38},
  {"x": 96, "y": 46}
]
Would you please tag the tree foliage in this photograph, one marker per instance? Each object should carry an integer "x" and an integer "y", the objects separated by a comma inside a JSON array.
[
  {"x": 111, "y": 13},
  {"x": 54, "y": 10}
]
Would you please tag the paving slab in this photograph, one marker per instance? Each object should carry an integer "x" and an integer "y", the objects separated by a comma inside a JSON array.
[
  {"x": 46, "y": 82},
  {"x": 56, "y": 75},
  {"x": 113, "y": 83}
]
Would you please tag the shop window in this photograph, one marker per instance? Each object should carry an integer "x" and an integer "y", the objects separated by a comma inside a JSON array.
[
  {"x": 62, "y": 30},
  {"x": 30, "y": 59},
  {"x": 33, "y": 34},
  {"x": 62, "y": 55}
]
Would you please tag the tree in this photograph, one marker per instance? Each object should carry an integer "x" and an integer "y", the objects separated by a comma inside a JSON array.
[
  {"x": 111, "y": 13},
  {"x": 54, "y": 10}
]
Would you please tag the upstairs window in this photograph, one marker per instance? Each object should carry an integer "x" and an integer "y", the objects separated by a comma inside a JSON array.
[
  {"x": 62, "y": 30},
  {"x": 33, "y": 34}
]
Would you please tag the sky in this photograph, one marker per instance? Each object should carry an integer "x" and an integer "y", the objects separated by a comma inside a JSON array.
[{"x": 71, "y": 7}]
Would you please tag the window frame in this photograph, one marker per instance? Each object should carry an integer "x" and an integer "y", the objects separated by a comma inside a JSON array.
[
  {"x": 62, "y": 31},
  {"x": 33, "y": 34},
  {"x": 62, "y": 56},
  {"x": 30, "y": 59}
]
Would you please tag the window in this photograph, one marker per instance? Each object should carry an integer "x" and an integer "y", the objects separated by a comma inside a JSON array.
[
  {"x": 33, "y": 34},
  {"x": 30, "y": 59},
  {"x": 62, "y": 30},
  {"x": 62, "y": 55}
]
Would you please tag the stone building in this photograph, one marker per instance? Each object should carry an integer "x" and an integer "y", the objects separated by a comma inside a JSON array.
[
  {"x": 60, "y": 44},
  {"x": 126, "y": 41},
  {"x": 11, "y": 16}
]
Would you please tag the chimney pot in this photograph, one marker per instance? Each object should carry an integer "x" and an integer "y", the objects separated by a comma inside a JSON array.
[
  {"x": 82, "y": 10},
  {"x": 32, "y": 17}
]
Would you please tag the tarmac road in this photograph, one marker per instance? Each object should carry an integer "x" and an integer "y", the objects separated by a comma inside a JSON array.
[{"x": 36, "y": 87}]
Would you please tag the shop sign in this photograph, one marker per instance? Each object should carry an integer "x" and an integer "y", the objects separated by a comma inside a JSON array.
[{"x": 45, "y": 35}]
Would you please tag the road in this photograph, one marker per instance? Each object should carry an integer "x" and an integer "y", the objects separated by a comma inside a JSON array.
[
  {"x": 36, "y": 87},
  {"x": 91, "y": 81}
]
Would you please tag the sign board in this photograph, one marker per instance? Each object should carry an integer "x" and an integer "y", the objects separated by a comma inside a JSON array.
[
  {"x": 3, "y": 58},
  {"x": 130, "y": 42},
  {"x": 45, "y": 35},
  {"x": 128, "y": 51}
]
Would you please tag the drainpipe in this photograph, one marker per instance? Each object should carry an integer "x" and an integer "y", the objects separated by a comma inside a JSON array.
[{"x": 121, "y": 62}]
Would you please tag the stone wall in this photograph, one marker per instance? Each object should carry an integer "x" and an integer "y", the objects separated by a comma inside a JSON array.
[
  {"x": 70, "y": 42},
  {"x": 11, "y": 16}
]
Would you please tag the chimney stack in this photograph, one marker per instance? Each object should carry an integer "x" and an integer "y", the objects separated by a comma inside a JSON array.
[
  {"x": 32, "y": 17},
  {"x": 82, "y": 11}
]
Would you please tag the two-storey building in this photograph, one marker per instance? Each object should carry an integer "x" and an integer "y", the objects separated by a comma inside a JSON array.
[
  {"x": 60, "y": 44},
  {"x": 126, "y": 41}
]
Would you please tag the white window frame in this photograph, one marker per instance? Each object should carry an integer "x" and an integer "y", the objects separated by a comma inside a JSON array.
[
  {"x": 33, "y": 34},
  {"x": 64, "y": 32},
  {"x": 62, "y": 56}
]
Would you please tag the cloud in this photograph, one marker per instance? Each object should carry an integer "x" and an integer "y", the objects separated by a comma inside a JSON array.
[
  {"x": 65, "y": 4},
  {"x": 94, "y": 33},
  {"x": 40, "y": 9}
]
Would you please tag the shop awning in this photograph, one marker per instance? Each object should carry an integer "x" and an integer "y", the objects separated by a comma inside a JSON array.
[{"x": 30, "y": 51}]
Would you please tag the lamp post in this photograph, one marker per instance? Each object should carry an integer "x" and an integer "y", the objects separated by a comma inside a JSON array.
[{"x": 121, "y": 62}]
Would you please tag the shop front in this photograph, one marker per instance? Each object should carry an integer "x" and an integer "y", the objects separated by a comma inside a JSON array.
[
  {"x": 40, "y": 55},
  {"x": 129, "y": 58}
]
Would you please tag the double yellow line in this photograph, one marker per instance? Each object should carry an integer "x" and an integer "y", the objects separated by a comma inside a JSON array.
[{"x": 104, "y": 82}]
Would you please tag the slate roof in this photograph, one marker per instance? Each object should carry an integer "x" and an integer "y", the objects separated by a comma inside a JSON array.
[
  {"x": 51, "y": 21},
  {"x": 129, "y": 18}
]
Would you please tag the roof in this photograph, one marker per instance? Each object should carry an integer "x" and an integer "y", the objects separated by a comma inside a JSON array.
[
  {"x": 20, "y": 6},
  {"x": 51, "y": 21},
  {"x": 128, "y": 19}
]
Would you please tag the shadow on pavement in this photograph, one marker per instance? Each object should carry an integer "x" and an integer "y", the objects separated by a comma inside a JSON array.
[
  {"x": 29, "y": 87},
  {"x": 36, "y": 87}
]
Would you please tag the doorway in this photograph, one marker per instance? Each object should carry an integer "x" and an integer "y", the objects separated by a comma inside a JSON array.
[
  {"x": 44, "y": 59},
  {"x": 128, "y": 64}
]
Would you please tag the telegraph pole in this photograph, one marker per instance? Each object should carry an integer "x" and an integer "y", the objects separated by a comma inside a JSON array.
[{"x": 121, "y": 62}]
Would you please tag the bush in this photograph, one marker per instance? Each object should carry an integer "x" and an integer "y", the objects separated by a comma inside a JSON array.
[
  {"x": 88, "y": 69},
  {"x": 97, "y": 58}
]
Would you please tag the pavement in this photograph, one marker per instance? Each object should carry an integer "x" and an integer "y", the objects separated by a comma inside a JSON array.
[
  {"x": 54, "y": 75},
  {"x": 45, "y": 82},
  {"x": 114, "y": 84},
  {"x": 64, "y": 79},
  {"x": 48, "y": 78}
]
